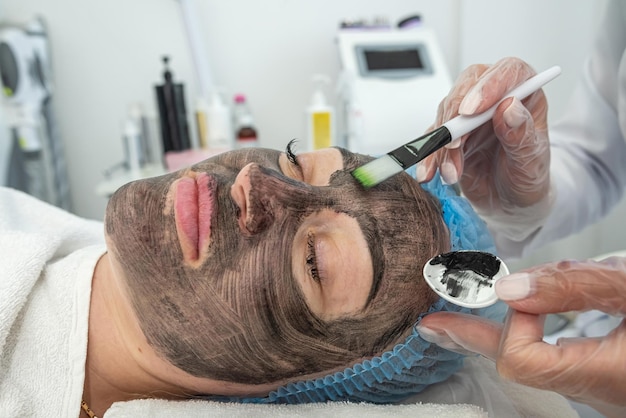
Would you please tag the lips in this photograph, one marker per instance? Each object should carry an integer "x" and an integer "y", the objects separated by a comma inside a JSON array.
[{"x": 193, "y": 209}]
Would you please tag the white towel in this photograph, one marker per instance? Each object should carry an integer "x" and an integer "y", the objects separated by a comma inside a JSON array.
[
  {"x": 31, "y": 234},
  {"x": 203, "y": 409},
  {"x": 46, "y": 264}
]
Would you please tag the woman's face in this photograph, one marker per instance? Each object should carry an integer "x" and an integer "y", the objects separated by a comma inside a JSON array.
[{"x": 255, "y": 265}]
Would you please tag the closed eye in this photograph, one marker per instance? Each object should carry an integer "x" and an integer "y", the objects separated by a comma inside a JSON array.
[
  {"x": 314, "y": 168},
  {"x": 311, "y": 259}
]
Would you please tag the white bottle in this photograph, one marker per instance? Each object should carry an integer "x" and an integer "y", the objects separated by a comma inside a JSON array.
[
  {"x": 132, "y": 145},
  {"x": 219, "y": 121},
  {"x": 320, "y": 117}
]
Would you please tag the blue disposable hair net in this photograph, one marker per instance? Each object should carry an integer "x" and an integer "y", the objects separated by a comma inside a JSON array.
[{"x": 414, "y": 364}]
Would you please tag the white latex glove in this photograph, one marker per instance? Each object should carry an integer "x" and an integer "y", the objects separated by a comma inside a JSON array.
[
  {"x": 502, "y": 167},
  {"x": 589, "y": 370}
]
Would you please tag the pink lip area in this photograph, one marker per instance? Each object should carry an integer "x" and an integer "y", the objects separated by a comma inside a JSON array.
[{"x": 194, "y": 206}]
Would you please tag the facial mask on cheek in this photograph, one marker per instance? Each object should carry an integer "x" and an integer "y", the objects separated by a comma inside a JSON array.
[{"x": 232, "y": 311}]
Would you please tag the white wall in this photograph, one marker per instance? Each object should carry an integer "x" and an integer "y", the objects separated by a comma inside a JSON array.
[
  {"x": 107, "y": 54},
  {"x": 543, "y": 33}
]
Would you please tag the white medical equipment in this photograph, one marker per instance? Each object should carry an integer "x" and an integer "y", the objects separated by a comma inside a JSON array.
[
  {"x": 391, "y": 84},
  {"x": 33, "y": 160}
]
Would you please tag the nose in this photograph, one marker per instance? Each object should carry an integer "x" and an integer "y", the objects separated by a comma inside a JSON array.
[{"x": 255, "y": 211}]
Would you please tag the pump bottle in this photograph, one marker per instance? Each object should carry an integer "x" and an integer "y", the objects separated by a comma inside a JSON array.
[
  {"x": 320, "y": 117},
  {"x": 172, "y": 113}
]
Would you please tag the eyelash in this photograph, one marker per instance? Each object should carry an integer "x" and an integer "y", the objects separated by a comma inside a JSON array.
[
  {"x": 291, "y": 156},
  {"x": 311, "y": 259}
]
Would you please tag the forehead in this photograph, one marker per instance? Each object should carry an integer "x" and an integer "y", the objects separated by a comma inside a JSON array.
[{"x": 352, "y": 160}]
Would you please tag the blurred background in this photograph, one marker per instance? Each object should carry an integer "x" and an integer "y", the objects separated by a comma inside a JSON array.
[{"x": 106, "y": 60}]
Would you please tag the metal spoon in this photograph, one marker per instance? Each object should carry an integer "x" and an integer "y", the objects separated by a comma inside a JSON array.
[{"x": 465, "y": 278}]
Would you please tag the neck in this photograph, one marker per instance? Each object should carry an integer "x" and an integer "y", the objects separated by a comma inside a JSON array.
[
  {"x": 113, "y": 371},
  {"x": 122, "y": 366}
]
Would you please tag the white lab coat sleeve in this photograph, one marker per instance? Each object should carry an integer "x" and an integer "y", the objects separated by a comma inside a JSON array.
[{"x": 588, "y": 145}]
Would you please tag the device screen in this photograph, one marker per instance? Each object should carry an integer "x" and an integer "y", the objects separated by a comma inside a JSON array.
[{"x": 393, "y": 59}]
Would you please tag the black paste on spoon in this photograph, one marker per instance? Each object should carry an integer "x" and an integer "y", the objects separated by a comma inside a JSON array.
[{"x": 466, "y": 271}]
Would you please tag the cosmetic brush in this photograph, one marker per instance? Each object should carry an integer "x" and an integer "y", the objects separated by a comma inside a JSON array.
[{"x": 398, "y": 160}]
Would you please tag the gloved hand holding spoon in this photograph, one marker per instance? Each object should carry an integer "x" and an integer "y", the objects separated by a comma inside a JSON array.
[{"x": 589, "y": 370}]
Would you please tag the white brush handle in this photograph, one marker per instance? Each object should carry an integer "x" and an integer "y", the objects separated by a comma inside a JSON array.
[{"x": 462, "y": 125}]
